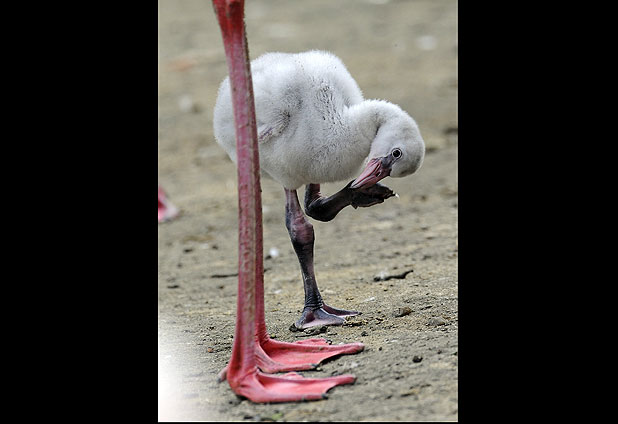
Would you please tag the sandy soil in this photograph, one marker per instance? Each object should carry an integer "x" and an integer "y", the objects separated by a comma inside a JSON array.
[{"x": 402, "y": 51}]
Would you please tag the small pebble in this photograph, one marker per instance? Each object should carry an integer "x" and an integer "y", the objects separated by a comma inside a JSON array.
[
  {"x": 309, "y": 331},
  {"x": 316, "y": 330},
  {"x": 273, "y": 253},
  {"x": 413, "y": 391},
  {"x": 381, "y": 276},
  {"x": 400, "y": 312},
  {"x": 436, "y": 321},
  {"x": 417, "y": 358}
]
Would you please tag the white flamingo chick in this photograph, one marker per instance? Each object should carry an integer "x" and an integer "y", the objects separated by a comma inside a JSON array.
[{"x": 315, "y": 127}]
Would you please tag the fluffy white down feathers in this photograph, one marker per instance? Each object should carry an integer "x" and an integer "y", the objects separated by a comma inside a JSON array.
[{"x": 314, "y": 125}]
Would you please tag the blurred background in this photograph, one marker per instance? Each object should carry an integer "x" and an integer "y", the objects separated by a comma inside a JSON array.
[{"x": 403, "y": 51}]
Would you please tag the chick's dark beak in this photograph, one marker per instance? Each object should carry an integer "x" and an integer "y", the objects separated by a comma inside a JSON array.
[{"x": 376, "y": 169}]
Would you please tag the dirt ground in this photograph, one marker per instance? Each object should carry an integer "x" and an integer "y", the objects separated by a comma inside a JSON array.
[{"x": 401, "y": 51}]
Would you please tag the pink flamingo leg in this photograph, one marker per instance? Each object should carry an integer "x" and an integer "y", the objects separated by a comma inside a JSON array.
[{"x": 250, "y": 335}]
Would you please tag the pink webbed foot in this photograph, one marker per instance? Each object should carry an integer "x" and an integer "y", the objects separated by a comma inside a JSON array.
[
  {"x": 259, "y": 387},
  {"x": 274, "y": 356}
]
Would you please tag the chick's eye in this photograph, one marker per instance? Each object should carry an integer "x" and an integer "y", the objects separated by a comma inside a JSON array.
[{"x": 396, "y": 153}]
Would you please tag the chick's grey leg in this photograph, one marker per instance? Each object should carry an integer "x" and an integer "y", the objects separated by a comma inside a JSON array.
[
  {"x": 326, "y": 208},
  {"x": 315, "y": 312}
]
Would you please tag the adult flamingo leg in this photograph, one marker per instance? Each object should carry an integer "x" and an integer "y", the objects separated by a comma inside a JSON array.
[{"x": 249, "y": 341}]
